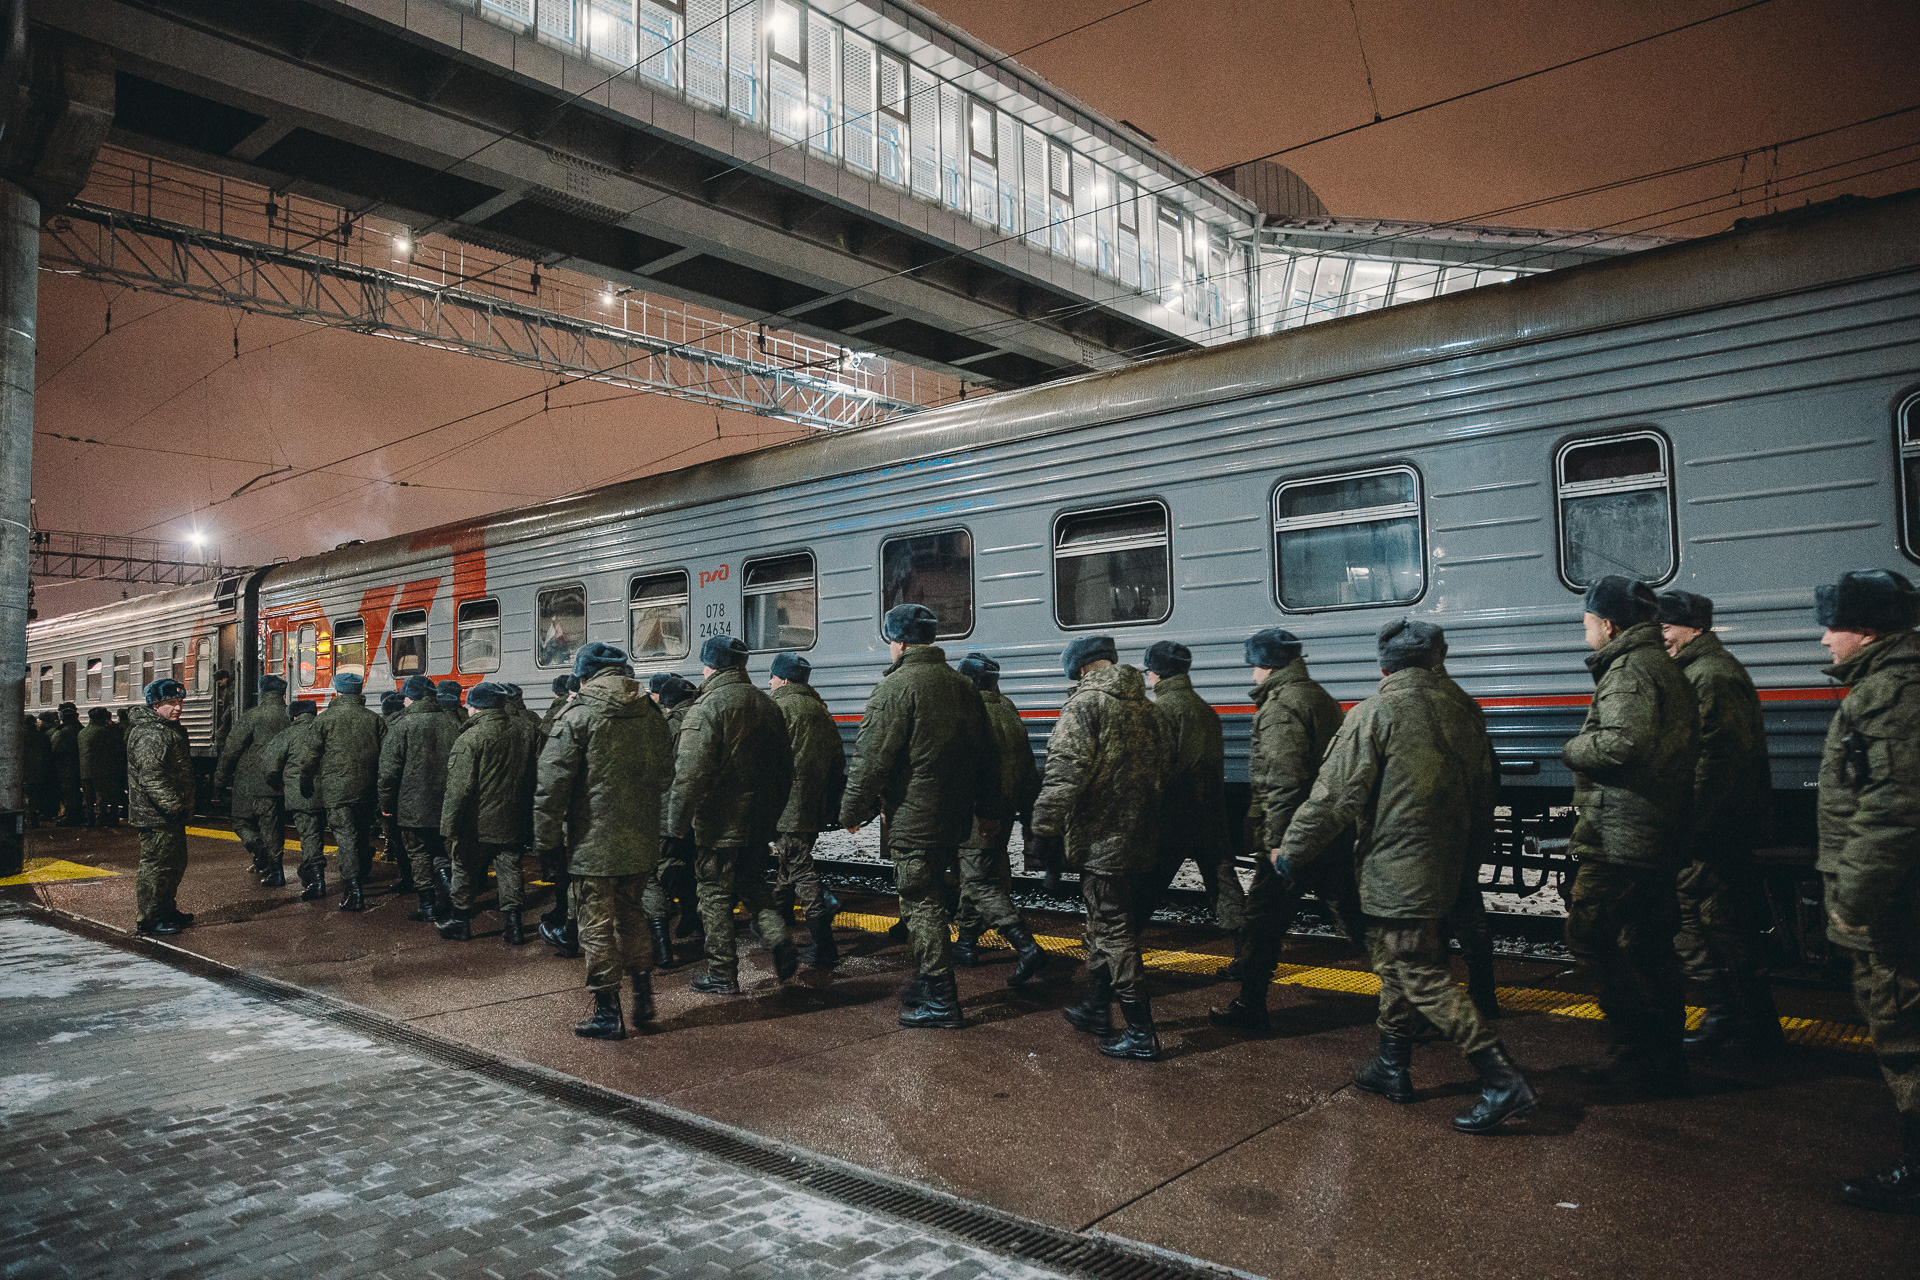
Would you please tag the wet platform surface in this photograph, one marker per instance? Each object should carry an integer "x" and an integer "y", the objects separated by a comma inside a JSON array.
[{"x": 1252, "y": 1153}]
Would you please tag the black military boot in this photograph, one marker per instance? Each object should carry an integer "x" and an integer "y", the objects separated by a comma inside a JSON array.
[
  {"x": 425, "y": 910},
  {"x": 1138, "y": 1038},
  {"x": 663, "y": 957},
  {"x": 786, "y": 960},
  {"x": 606, "y": 1023},
  {"x": 556, "y": 915},
  {"x": 690, "y": 926},
  {"x": 897, "y": 931},
  {"x": 1504, "y": 1093},
  {"x": 1246, "y": 1011},
  {"x": 825, "y": 952},
  {"x": 1028, "y": 956},
  {"x": 1480, "y": 988},
  {"x": 1094, "y": 1013},
  {"x": 1895, "y": 1190},
  {"x": 512, "y": 933},
  {"x": 350, "y": 897},
  {"x": 643, "y": 1012},
  {"x": 456, "y": 929},
  {"x": 564, "y": 938},
  {"x": 405, "y": 883},
  {"x": 161, "y": 928},
  {"x": 1390, "y": 1074},
  {"x": 259, "y": 855},
  {"x": 939, "y": 1007},
  {"x": 966, "y": 950},
  {"x": 709, "y": 985},
  {"x": 442, "y": 893},
  {"x": 316, "y": 882},
  {"x": 1720, "y": 1024}
]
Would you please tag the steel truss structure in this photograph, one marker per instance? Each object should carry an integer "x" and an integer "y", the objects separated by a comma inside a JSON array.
[{"x": 60, "y": 554}]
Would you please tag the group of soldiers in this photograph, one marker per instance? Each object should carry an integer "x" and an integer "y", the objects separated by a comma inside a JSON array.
[
  {"x": 75, "y": 775},
  {"x": 634, "y": 796}
]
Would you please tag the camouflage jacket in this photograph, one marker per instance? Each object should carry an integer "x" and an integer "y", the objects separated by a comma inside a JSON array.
[
  {"x": 1409, "y": 771},
  {"x": 819, "y": 760},
  {"x": 413, "y": 764},
  {"x": 732, "y": 769},
  {"x": 241, "y": 759},
  {"x": 341, "y": 753},
  {"x": 1870, "y": 798},
  {"x": 1196, "y": 793},
  {"x": 1107, "y": 763},
  {"x": 159, "y": 772},
  {"x": 1634, "y": 758},
  {"x": 1732, "y": 783},
  {"x": 489, "y": 780},
  {"x": 64, "y": 741},
  {"x": 1019, "y": 778},
  {"x": 600, "y": 775},
  {"x": 36, "y": 764},
  {"x": 923, "y": 757},
  {"x": 103, "y": 755},
  {"x": 1294, "y": 721},
  {"x": 1486, "y": 793},
  {"x": 280, "y": 770},
  {"x": 554, "y": 709}
]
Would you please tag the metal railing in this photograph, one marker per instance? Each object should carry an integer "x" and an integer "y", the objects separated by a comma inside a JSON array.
[{"x": 59, "y": 553}]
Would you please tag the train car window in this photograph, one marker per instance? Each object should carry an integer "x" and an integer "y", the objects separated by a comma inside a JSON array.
[
  {"x": 407, "y": 644},
  {"x": 476, "y": 636},
  {"x": 561, "y": 624},
  {"x": 1112, "y": 566},
  {"x": 146, "y": 667},
  {"x": 276, "y": 653},
  {"x": 933, "y": 569},
  {"x": 122, "y": 676},
  {"x": 177, "y": 662},
  {"x": 1345, "y": 542},
  {"x": 69, "y": 673},
  {"x": 350, "y": 647},
  {"x": 1616, "y": 509},
  {"x": 203, "y": 665},
  {"x": 46, "y": 684},
  {"x": 306, "y": 656},
  {"x": 659, "y": 617},
  {"x": 1909, "y": 417},
  {"x": 780, "y": 602},
  {"x": 93, "y": 679}
]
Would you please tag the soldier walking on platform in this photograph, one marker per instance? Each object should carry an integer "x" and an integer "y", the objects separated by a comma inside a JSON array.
[
  {"x": 1100, "y": 797},
  {"x": 597, "y": 809},
  {"x": 1633, "y": 764},
  {"x": 341, "y": 754},
  {"x": 159, "y": 802},
  {"x": 306, "y": 810},
  {"x": 813, "y": 802},
  {"x": 413, "y": 781},
  {"x": 1723, "y": 908},
  {"x": 487, "y": 813},
  {"x": 1192, "y": 818},
  {"x": 393, "y": 703},
  {"x": 557, "y": 926},
  {"x": 732, "y": 772},
  {"x": 986, "y": 870},
  {"x": 1409, "y": 771},
  {"x": 1870, "y": 842},
  {"x": 1467, "y": 923},
  {"x": 673, "y": 875},
  {"x": 256, "y": 811},
  {"x": 1294, "y": 721}
]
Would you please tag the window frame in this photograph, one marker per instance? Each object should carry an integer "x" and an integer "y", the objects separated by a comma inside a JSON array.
[
  {"x": 302, "y": 652},
  {"x": 1591, "y": 487},
  {"x": 48, "y": 682},
  {"x": 394, "y": 633},
  {"x": 203, "y": 662},
  {"x": 1906, "y": 445},
  {"x": 686, "y": 578},
  {"x": 548, "y": 588},
  {"x": 1419, "y": 506},
  {"x": 122, "y": 675},
  {"x": 975, "y": 105},
  {"x": 95, "y": 670},
  {"x": 334, "y": 642},
  {"x": 973, "y": 577},
  {"x": 799, "y": 11},
  {"x": 1054, "y": 557},
  {"x": 148, "y": 657},
  {"x": 459, "y": 653},
  {"x": 747, "y": 564},
  {"x": 277, "y": 651},
  {"x": 69, "y": 681}
]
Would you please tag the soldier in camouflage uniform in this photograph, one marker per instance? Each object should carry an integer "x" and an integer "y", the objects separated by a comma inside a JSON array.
[
  {"x": 924, "y": 762},
  {"x": 448, "y": 693},
  {"x": 65, "y": 740},
  {"x": 1411, "y": 772},
  {"x": 159, "y": 802},
  {"x": 1723, "y": 911},
  {"x": 342, "y": 754},
  {"x": 1467, "y": 923},
  {"x": 257, "y": 819},
  {"x": 1192, "y": 824},
  {"x": 1633, "y": 764},
  {"x": 564, "y": 687},
  {"x": 673, "y": 875},
  {"x": 1294, "y": 721},
  {"x": 597, "y": 805},
  {"x": 36, "y": 764},
  {"x": 986, "y": 871},
  {"x": 486, "y": 815},
  {"x": 1100, "y": 798},
  {"x": 1870, "y": 842},
  {"x": 819, "y": 777},
  {"x": 306, "y": 810},
  {"x": 731, "y": 774},
  {"x": 103, "y": 767},
  {"x": 413, "y": 780},
  {"x": 558, "y": 926},
  {"x": 393, "y": 704}
]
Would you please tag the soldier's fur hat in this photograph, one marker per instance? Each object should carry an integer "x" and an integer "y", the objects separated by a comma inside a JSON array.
[
  {"x": 68, "y": 711},
  {"x": 486, "y": 695},
  {"x": 346, "y": 682},
  {"x": 562, "y": 686},
  {"x": 1685, "y": 609},
  {"x": 1086, "y": 650},
  {"x": 1272, "y": 648},
  {"x": 673, "y": 689},
  {"x": 419, "y": 688},
  {"x": 982, "y": 670},
  {"x": 1622, "y": 601},
  {"x": 910, "y": 624},
  {"x": 165, "y": 689},
  {"x": 511, "y": 689},
  {"x": 1407, "y": 643},
  {"x": 1867, "y": 600},
  {"x": 99, "y": 715},
  {"x": 392, "y": 702},
  {"x": 594, "y": 657},
  {"x": 791, "y": 666},
  {"x": 721, "y": 652},
  {"x": 272, "y": 684},
  {"x": 448, "y": 691},
  {"x": 1168, "y": 658},
  {"x": 302, "y": 707}
]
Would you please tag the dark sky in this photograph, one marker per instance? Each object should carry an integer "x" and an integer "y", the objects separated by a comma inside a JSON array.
[{"x": 1216, "y": 81}]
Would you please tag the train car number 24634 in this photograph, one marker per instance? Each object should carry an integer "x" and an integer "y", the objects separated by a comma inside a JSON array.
[{"x": 716, "y": 623}]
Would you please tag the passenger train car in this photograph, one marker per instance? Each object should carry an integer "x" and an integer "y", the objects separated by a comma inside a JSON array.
[{"x": 1738, "y": 416}]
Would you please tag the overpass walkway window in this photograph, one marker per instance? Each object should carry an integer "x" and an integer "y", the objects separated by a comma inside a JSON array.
[
  {"x": 1344, "y": 542},
  {"x": 1112, "y": 566}
]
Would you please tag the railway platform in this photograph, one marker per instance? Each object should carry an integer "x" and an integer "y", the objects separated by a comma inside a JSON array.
[{"x": 287, "y": 1089}]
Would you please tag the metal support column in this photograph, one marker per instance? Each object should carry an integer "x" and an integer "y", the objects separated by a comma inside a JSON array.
[{"x": 19, "y": 299}]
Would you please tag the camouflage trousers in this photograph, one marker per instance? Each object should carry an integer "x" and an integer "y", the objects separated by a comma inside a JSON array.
[
  {"x": 986, "y": 887},
  {"x": 920, "y": 877},
  {"x": 1620, "y": 924},
  {"x": 163, "y": 860},
  {"x": 613, "y": 928},
  {"x": 311, "y": 826},
  {"x": 1467, "y": 923},
  {"x": 1218, "y": 873},
  {"x": 1410, "y": 959},
  {"x": 1887, "y": 989},
  {"x": 1270, "y": 908},
  {"x": 426, "y": 853},
  {"x": 723, "y": 877},
  {"x": 1723, "y": 915},
  {"x": 353, "y": 828},
  {"x": 263, "y": 833},
  {"x": 469, "y": 860},
  {"x": 795, "y": 873},
  {"x": 1113, "y": 944},
  {"x": 672, "y": 878}
]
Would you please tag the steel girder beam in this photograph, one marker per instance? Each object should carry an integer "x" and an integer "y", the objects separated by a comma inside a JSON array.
[{"x": 59, "y": 554}]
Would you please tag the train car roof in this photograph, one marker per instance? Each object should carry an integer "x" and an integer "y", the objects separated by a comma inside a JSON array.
[{"x": 195, "y": 597}]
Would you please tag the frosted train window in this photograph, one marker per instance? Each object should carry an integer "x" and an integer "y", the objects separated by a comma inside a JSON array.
[
  {"x": 203, "y": 665},
  {"x": 476, "y": 637},
  {"x": 46, "y": 684},
  {"x": 177, "y": 661},
  {"x": 1345, "y": 542},
  {"x": 306, "y": 657},
  {"x": 146, "y": 667},
  {"x": 407, "y": 644},
  {"x": 122, "y": 676},
  {"x": 560, "y": 625},
  {"x": 93, "y": 679},
  {"x": 276, "y": 652},
  {"x": 1616, "y": 509},
  {"x": 1112, "y": 566},
  {"x": 780, "y": 601},
  {"x": 68, "y": 671},
  {"x": 933, "y": 569},
  {"x": 658, "y": 617},
  {"x": 350, "y": 647},
  {"x": 1909, "y": 417}
]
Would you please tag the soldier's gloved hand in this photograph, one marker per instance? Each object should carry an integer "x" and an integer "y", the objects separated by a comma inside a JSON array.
[
  {"x": 553, "y": 863},
  {"x": 1050, "y": 852},
  {"x": 1288, "y": 880}
]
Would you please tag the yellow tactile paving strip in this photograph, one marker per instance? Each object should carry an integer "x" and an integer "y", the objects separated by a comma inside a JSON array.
[{"x": 49, "y": 870}]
